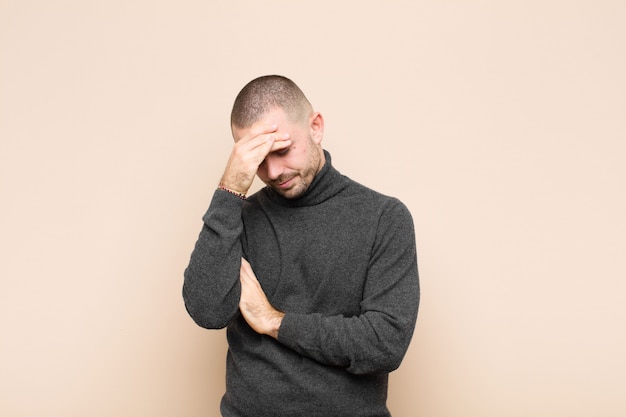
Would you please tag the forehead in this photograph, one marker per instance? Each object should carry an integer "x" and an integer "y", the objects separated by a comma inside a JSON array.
[{"x": 277, "y": 116}]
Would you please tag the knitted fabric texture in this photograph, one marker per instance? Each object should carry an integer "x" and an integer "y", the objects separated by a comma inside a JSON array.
[{"x": 340, "y": 261}]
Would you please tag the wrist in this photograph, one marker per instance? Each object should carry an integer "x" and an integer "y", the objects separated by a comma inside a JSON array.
[
  {"x": 232, "y": 191},
  {"x": 237, "y": 183}
]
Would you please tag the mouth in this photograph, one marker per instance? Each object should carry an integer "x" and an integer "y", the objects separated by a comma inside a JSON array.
[{"x": 285, "y": 184}]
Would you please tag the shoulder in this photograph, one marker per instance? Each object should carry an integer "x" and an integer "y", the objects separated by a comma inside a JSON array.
[{"x": 370, "y": 196}]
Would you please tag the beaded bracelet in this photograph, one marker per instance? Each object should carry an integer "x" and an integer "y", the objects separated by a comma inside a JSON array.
[{"x": 238, "y": 194}]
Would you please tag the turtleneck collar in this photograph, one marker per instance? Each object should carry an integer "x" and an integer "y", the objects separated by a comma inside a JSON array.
[{"x": 326, "y": 184}]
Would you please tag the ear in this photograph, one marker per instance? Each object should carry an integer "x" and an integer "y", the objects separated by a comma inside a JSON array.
[{"x": 316, "y": 125}]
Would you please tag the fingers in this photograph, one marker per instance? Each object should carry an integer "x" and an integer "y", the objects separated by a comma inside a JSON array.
[
  {"x": 251, "y": 290},
  {"x": 246, "y": 275},
  {"x": 261, "y": 129},
  {"x": 254, "y": 305},
  {"x": 280, "y": 143},
  {"x": 249, "y": 152},
  {"x": 264, "y": 143},
  {"x": 259, "y": 143},
  {"x": 261, "y": 134},
  {"x": 246, "y": 269}
]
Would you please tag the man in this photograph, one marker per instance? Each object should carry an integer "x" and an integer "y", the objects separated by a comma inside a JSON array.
[{"x": 315, "y": 275}]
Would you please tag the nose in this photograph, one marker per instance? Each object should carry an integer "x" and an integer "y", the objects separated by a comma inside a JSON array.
[{"x": 274, "y": 167}]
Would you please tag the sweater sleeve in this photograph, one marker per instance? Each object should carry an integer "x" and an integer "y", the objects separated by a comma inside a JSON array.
[
  {"x": 376, "y": 340},
  {"x": 211, "y": 288}
]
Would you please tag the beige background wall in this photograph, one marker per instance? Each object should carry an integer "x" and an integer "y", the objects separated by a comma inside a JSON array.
[{"x": 501, "y": 124}]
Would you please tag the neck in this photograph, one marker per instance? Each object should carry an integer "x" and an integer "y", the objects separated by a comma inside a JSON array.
[
  {"x": 322, "y": 160},
  {"x": 327, "y": 182}
]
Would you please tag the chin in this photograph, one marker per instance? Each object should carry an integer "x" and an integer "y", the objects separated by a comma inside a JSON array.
[
  {"x": 293, "y": 192},
  {"x": 290, "y": 194}
]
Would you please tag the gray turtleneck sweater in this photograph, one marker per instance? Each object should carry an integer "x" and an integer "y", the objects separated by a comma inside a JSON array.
[{"x": 340, "y": 262}]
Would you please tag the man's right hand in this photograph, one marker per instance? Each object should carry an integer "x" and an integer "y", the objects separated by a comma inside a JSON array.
[{"x": 249, "y": 151}]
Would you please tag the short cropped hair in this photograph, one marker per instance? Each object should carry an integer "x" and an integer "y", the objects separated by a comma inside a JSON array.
[{"x": 264, "y": 94}]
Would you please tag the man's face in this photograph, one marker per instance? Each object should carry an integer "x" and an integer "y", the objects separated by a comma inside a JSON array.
[{"x": 290, "y": 171}]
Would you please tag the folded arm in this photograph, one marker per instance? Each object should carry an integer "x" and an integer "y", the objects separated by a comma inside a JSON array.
[{"x": 374, "y": 341}]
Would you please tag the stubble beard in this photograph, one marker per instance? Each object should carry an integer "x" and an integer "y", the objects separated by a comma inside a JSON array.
[{"x": 304, "y": 179}]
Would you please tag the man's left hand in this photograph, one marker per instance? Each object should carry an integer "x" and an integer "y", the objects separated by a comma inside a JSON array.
[{"x": 254, "y": 305}]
